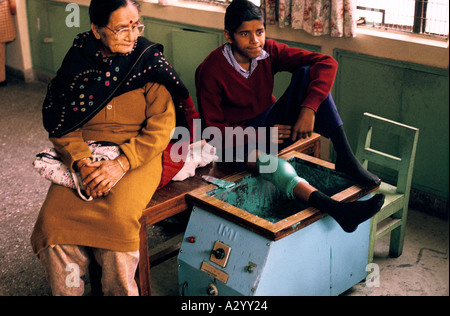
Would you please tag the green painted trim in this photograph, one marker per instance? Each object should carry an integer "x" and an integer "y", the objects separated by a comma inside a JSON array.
[{"x": 338, "y": 53}]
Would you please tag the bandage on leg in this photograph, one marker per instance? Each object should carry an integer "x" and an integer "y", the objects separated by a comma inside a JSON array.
[{"x": 280, "y": 172}]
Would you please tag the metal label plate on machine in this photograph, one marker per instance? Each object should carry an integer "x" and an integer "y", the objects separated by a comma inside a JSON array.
[{"x": 214, "y": 272}]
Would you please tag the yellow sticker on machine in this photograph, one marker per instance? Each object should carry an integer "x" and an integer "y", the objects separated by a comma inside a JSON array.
[{"x": 214, "y": 272}]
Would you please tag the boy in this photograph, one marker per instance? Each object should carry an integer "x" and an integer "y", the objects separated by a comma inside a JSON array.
[{"x": 234, "y": 89}]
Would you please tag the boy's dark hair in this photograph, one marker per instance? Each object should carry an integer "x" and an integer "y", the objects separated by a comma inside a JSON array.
[
  {"x": 100, "y": 10},
  {"x": 241, "y": 11}
]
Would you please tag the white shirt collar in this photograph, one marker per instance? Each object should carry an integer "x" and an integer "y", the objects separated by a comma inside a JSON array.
[{"x": 228, "y": 53}]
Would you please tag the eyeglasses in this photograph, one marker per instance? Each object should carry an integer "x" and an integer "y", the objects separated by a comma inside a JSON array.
[{"x": 125, "y": 32}]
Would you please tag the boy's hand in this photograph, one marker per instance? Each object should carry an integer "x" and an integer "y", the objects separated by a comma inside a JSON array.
[
  {"x": 284, "y": 131},
  {"x": 304, "y": 126}
]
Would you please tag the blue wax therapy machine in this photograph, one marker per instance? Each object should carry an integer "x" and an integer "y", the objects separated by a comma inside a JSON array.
[{"x": 251, "y": 240}]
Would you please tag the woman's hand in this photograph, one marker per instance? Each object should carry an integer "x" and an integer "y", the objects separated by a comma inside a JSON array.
[
  {"x": 100, "y": 181},
  {"x": 101, "y": 176},
  {"x": 304, "y": 126}
]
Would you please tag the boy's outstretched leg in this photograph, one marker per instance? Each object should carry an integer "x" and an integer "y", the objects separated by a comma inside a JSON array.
[
  {"x": 346, "y": 161},
  {"x": 348, "y": 214}
]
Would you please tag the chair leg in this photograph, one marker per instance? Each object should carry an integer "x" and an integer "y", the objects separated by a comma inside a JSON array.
[
  {"x": 398, "y": 234},
  {"x": 372, "y": 237}
]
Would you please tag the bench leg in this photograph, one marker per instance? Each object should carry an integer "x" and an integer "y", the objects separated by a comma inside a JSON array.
[{"x": 143, "y": 271}]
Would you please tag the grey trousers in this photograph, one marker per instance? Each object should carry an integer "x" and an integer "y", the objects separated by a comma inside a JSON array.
[{"x": 65, "y": 265}]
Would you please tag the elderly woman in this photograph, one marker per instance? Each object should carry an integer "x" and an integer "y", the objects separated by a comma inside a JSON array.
[{"x": 113, "y": 86}]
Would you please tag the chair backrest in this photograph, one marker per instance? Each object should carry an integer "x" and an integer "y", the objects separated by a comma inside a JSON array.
[{"x": 407, "y": 144}]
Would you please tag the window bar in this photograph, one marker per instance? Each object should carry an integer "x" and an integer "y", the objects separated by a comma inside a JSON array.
[{"x": 420, "y": 16}]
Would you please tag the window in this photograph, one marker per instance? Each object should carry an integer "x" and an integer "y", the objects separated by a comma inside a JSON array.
[{"x": 427, "y": 17}]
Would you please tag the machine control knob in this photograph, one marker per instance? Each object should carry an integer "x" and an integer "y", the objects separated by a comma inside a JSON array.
[
  {"x": 212, "y": 290},
  {"x": 219, "y": 253},
  {"x": 250, "y": 267}
]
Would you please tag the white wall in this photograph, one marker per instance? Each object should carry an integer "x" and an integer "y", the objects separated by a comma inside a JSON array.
[{"x": 18, "y": 54}]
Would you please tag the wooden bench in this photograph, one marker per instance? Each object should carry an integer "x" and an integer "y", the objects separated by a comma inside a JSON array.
[{"x": 171, "y": 200}]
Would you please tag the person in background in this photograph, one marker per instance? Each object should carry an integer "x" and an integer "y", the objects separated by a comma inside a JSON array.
[
  {"x": 7, "y": 33},
  {"x": 234, "y": 86}
]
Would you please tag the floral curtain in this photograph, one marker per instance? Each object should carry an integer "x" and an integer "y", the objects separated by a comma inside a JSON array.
[{"x": 336, "y": 18}]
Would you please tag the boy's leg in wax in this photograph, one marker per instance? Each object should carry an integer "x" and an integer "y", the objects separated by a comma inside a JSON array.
[{"x": 281, "y": 173}]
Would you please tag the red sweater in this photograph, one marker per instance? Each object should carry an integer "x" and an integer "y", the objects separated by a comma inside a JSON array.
[{"x": 226, "y": 98}]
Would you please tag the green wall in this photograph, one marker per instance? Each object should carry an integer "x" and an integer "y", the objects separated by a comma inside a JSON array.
[
  {"x": 409, "y": 93},
  {"x": 184, "y": 47},
  {"x": 412, "y": 94},
  {"x": 50, "y": 38}
]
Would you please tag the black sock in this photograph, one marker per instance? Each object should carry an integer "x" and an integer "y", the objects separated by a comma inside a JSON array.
[
  {"x": 347, "y": 163},
  {"x": 348, "y": 214}
]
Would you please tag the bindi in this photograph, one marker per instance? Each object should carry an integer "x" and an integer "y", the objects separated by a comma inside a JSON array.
[{"x": 131, "y": 21}]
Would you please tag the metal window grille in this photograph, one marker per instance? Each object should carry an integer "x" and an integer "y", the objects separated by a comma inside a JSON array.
[{"x": 427, "y": 17}]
